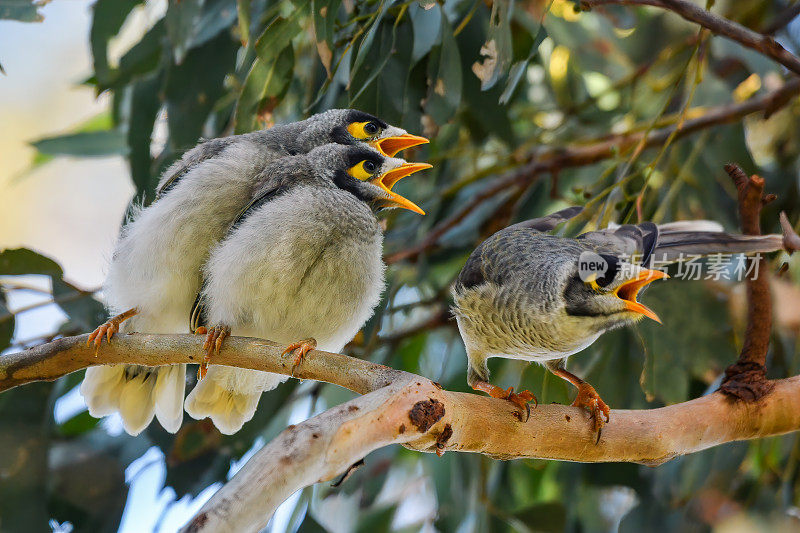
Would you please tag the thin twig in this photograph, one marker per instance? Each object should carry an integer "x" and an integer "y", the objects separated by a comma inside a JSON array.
[
  {"x": 782, "y": 19},
  {"x": 764, "y": 44},
  {"x": 578, "y": 154}
]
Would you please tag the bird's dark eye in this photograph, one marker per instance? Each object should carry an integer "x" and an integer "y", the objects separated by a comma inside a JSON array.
[
  {"x": 611, "y": 273},
  {"x": 371, "y": 128},
  {"x": 363, "y": 130},
  {"x": 364, "y": 170}
]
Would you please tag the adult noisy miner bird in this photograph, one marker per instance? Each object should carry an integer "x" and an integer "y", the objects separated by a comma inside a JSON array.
[
  {"x": 526, "y": 294},
  {"x": 302, "y": 262},
  {"x": 155, "y": 270}
]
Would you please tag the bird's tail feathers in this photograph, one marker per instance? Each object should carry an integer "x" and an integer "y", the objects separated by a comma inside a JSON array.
[
  {"x": 229, "y": 396},
  {"x": 134, "y": 392},
  {"x": 677, "y": 245},
  {"x": 169, "y": 391}
]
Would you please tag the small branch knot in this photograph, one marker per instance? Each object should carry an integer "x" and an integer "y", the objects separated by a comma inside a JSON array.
[{"x": 746, "y": 381}]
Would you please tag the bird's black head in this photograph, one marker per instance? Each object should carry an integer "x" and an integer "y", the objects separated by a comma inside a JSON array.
[
  {"x": 602, "y": 288},
  {"x": 353, "y": 127},
  {"x": 365, "y": 172}
]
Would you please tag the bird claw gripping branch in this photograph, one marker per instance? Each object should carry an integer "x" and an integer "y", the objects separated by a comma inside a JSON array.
[
  {"x": 213, "y": 344},
  {"x": 300, "y": 349},
  {"x": 589, "y": 399},
  {"x": 108, "y": 329},
  {"x": 519, "y": 399}
]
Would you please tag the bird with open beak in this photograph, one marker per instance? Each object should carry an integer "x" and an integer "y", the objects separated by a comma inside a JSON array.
[
  {"x": 304, "y": 261},
  {"x": 526, "y": 294},
  {"x": 155, "y": 271}
]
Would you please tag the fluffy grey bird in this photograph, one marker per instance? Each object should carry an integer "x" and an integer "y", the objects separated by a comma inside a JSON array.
[
  {"x": 303, "y": 262},
  {"x": 525, "y": 294},
  {"x": 155, "y": 271}
]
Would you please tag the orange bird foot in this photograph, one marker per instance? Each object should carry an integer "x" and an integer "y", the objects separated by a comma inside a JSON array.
[
  {"x": 519, "y": 399},
  {"x": 108, "y": 329},
  {"x": 591, "y": 401},
  {"x": 300, "y": 349},
  {"x": 214, "y": 338}
]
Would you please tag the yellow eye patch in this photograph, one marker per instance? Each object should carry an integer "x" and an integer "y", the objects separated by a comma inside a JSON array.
[
  {"x": 592, "y": 283},
  {"x": 363, "y": 130},
  {"x": 363, "y": 171}
]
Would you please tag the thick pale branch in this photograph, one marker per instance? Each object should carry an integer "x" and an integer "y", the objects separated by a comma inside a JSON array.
[
  {"x": 764, "y": 44},
  {"x": 480, "y": 424},
  {"x": 403, "y": 408},
  {"x": 421, "y": 416}
]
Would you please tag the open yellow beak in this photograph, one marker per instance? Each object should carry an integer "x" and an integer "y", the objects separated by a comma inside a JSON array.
[
  {"x": 390, "y": 146},
  {"x": 387, "y": 180},
  {"x": 630, "y": 289}
]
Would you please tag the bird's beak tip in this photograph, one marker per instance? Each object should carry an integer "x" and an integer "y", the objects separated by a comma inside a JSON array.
[
  {"x": 387, "y": 180},
  {"x": 630, "y": 289},
  {"x": 391, "y": 146}
]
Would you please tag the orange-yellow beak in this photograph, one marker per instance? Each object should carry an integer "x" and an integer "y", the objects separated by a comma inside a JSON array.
[
  {"x": 391, "y": 146},
  {"x": 630, "y": 289},
  {"x": 387, "y": 180}
]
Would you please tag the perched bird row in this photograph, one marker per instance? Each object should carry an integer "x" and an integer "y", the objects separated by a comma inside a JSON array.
[
  {"x": 269, "y": 234},
  {"x": 273, "y": 234}
]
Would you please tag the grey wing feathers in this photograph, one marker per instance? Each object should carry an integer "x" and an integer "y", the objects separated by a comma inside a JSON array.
[
  {"x": 549, "y": 222},
  {"x": 197, "y": 316},
  {"x": 626, "y": 241},
  {"x": 666, "y": 243},
  {"x": 275, "y": 178},
  {"x": 472, "y": 274},
  {"x": 203, "y": 151}
]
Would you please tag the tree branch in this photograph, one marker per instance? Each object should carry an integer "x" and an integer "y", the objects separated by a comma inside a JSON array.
[
  {"x": 764, "y": 44},
  {"x": 403, "y": 408},
  {"x": 747, "y": 378},
  {"x": 588, "y": 153}
]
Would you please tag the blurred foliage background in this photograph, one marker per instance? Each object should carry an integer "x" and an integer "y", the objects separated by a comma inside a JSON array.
[{"x": 509, "y": 92}]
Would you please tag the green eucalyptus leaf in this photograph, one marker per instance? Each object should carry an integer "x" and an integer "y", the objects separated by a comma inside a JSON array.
[
  {"x": 22, "y": 261},
  {"x": 145, "y": 104},
  {"x": 143, "y": 58},
  {"x": 271, "y": 73},
  {"x": 85, "y": 144},
  {"x": 427, "y": 24},
  {"x": 369, "y": 37},
  {"x": 193, "y": 88},
  {"x": 444, "y": 77},
  {"x": 107, "y": 19},
  {"x": 497, "y": 50},
  {"x": 182, "y": 20},
  {"x": 265, "y": 86},
  {"x": 21, "y": 10},
  {"x": 325, "y": 12},
  {"x": 243, "y": 8}
]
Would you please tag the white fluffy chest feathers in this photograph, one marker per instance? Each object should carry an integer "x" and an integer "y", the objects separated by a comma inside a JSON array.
[{"x": 307, "y": 263}]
